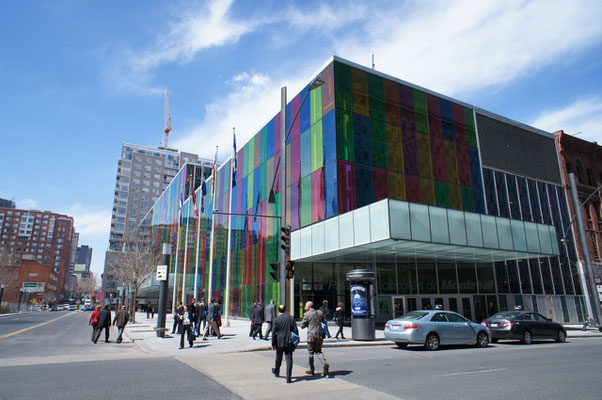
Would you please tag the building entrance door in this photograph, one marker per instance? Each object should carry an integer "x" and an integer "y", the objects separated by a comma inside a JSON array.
[{"x": 403, "y": 305}]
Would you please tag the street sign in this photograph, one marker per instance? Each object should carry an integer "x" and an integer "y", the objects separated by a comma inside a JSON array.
[
  {"x": 161, "y": 272},
  {"x": 34, "y": 287}
]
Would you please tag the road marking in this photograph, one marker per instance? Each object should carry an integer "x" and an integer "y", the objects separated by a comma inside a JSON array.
[
  {"x": 33, "y": 327},
  {"x": 474, "y": 372}
]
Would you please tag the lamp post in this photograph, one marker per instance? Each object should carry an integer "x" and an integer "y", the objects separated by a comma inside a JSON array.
[
  {"x": 590, "y": 287},
  {"x": 315, "y": 83}
]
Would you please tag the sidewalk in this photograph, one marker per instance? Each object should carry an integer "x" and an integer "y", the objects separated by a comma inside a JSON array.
[{"x": 236, "y": 338}]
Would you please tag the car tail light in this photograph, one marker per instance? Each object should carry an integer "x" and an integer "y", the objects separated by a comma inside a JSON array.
[
  {"x": 411, "y": 326},
  {"x": 508, "y": 323},
  {"x": 387, "y": 326},
  {"x": 484, "y": 323}
]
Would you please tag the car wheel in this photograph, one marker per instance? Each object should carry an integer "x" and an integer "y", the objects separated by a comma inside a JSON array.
[
  {"x": 401, "y": 345},
  {"x": 561, "y": 336},
  {"x": 494, "y": 340},
  {"x": 527, "y": 338},
  {"x": 482, "y": 339},
  {"x": 432, "y": 342}
]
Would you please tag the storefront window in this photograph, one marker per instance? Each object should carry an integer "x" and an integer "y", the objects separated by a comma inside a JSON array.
[
  {"x": 427, "y": 278},
  {"x": 467, "y": 279},
  {"x": 448, "y": 283},
  {"x": 406, "y": 278},
  {"x": 485, "y": 278},
  {"x": 386, "y": 279}
]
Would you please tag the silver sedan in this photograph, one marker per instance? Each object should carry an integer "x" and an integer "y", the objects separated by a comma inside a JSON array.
[{"x": 433, "y": 328}]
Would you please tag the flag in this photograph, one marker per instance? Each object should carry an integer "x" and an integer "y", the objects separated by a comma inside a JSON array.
[
  {"x": 196, "y": 207},
  {"x": 182, "y": 190},
  {"x": 213, "y": 173},
  {"x": 235, "y": 161},
  {"x": 203, "y": 193}
]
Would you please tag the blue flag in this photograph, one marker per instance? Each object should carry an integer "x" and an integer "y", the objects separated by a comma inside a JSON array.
[{"x": 235, "y": 161}]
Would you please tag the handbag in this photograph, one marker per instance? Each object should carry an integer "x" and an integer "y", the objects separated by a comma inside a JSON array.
[{"x": 294, "y": 339}]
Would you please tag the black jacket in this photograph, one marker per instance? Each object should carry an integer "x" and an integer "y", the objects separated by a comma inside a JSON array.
[
  {"x": 283, "y": 325},
  {"x": 200, "y": 311},
  {"x": 191, "y": 312},
  {"x": 104, "y": 318},
  {"x": 339, "y": 316},
  {"x": 258, "y": 315}
]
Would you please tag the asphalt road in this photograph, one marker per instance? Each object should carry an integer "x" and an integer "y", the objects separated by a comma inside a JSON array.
[
  {"x": 507, "y": 370},
  {"x": 50, "y": 356}
]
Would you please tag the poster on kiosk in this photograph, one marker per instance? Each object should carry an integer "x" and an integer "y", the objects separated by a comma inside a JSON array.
[{"x": 359, "y": 301}]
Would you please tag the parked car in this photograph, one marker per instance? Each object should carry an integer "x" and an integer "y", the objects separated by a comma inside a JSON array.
[
  {"x": 54, "y": 308},
  {"x": 72, "y": 307},
  {"x": 525, "y": 326},
  {"x": 433, "y": 328},
  {"x": 88, "y": 308}
]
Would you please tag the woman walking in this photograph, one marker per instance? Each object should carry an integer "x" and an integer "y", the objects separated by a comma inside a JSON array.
[
  {"x": 339, "y": 316},
  {"x": 186, "y": 329},
  {"x": 94, "y": 320}
]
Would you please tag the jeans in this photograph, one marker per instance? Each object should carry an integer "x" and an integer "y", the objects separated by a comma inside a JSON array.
[
  {"x": 99, "y": 330},
  {"x": 120, "y": 333}
]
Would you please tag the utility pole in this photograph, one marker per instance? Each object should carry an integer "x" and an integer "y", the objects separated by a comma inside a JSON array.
[
  {"x": 161, "y": 316},
  {"x": 281, "y": 259}
]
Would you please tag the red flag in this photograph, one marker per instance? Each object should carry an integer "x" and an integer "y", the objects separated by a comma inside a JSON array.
[{"x": 196, "y": 208}]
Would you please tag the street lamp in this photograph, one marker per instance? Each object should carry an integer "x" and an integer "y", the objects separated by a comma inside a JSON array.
[
  {"x": 590, "y": 286},
  {"x": 284, "y": 134}
]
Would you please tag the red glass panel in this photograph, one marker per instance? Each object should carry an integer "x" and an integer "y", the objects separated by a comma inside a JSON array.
[
  {"x": 413, "y": 188},
  {"x": 392, "y": 105},
  {"x": 432, "y": 104},
  {"x": 381, "y": 184},
  {"x": 438, "y": 157},
  {"x": 463, "y": 164},
  {"x": 459, "y": 125},
  {"x": 346, "y": 186},
  {"x": 317, "y": 195}
]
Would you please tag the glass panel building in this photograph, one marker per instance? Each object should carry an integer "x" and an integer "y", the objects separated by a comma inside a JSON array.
[{"x": 448, "y": 203}]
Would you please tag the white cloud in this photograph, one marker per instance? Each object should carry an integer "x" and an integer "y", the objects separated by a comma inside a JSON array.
[
  {"x": 28, "y": 204},
  {"x": 465, "y": 46},
  {"x": 89, "y": 222},
  {"x": 583, "y": 117}
]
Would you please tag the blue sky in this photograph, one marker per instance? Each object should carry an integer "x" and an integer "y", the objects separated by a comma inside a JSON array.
[{"x": 78, "y": 78}]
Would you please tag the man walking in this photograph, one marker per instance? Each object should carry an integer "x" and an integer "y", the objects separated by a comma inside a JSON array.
[
  {"x": 269, "y": 314},
  {"x": 212, "y": 314},
  {"x": 253, "y": 305},
  {"x": 257, "y": 321},
  {"x": 326, "y": 313},
  {"x": 312, "y": 320},
  {"x": 104, "y": 322},
  {"x": 284, "y": 324},
  {"x": 121, "y": 321},
  {"x": 200, "y": 316},
  {"x": 177, "y": 318}
]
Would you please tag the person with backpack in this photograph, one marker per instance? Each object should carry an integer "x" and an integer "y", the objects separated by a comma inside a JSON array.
[
  {"x": 94, "y": 320},
  {"x": 282, "y": 341}
]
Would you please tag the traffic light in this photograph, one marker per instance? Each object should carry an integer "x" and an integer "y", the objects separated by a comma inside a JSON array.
[
  {"x": 275, "y": 271},
  {"x": 285, "y": 239},
  {"x": 290, "y": 269}
]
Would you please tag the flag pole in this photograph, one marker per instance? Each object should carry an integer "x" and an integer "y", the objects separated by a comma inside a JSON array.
[
  {"x": 198, "y": 245},
  {"x": 175, "y": 277},
  {"x": 186, "y": 245},
  {"x": 228, "y": 249},
  {"x": 213, "y": 183}
]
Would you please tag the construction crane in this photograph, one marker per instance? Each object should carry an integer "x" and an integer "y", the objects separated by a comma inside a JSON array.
[{"x": 167, "y": 120}]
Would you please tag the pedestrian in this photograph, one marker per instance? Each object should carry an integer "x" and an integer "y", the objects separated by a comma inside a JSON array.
[
  {"x": 121, "y": 321},
  {"x": 177, "y": 318},
  {"x": 152, "y": 311},
  {"x": 94, "y": 320},
  {"x": 192, "y": 314},
  {"x": 269, "y": 314},
  {"x": 585, "y": 322},
  {"x": 257, "y": 321},
  {"x": 201, "y": 315},
  {"x": 212, "y": 315},
  {"x": 312, "y": 320},
  {"x": 253, "y": 305},
  {"x": 104, "y": 322},
  {"x": 492, "y": 309},
  {"x": 282, "y": 342},
  {"x": 339, "y": 317},
  {"x": 148, "y": 310},
  {"x": 186, "y": 328},
  {"x": 326, "y": 313}
]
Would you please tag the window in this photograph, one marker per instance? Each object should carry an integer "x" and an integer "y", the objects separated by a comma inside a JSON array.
[
  {"x": 590, "y": 177},
  {"x": 439, "y": 317},
  {"x": 455, "y": 318},
  {"x": 579, "y": 174}
]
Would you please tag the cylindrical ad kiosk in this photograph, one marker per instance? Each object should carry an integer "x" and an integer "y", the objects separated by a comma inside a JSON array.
[{"x": 362, "y": 293}]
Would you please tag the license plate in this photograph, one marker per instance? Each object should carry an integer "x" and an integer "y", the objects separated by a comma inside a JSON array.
[
  {"x": 495, "y": 325},
  {"x": 395, "y": 327}
]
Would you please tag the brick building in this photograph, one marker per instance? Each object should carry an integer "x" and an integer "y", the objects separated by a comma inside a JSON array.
[
  {"x": 35, "y": 278},
  {"x": 44, "y": 235}
]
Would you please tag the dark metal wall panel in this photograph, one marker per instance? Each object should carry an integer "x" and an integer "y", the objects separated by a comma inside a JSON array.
[{"x": 509, "y": 148}]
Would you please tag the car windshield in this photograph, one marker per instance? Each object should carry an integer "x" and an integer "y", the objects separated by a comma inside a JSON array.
[
  {"x": 505, "y": 314},
  {"x": 413, "y": 315}
]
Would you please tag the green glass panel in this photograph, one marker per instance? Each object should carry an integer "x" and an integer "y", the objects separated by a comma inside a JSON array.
[
  {"x": 342, "y": 86},
  {"x": 397, "y": 189},
  {"x": 247, "y": 300},
  {"x": 277, "y": 212},
  {"x": 455, "y": 197},
  {"x": 345, "y": 149},
  {"x": 425, "y": 163},
  {"x": 441, "y": 194},
  {"x": 359, "y": 90},
  {"x": 380, "y": 157},
  {"x": 245, "y": 166},
  {"x": 471, "y": 131},
  {"x": 250, "y": 160},
  {"x": 420, "y": 112},
  {"x": 377, "y": 97},
  {"x": 316, "y": 104},
  {"x": 317, "y": 157},
  {"x": 394, "y": 148},
  {"x": 306, "y": 201},
  {"x": 468, "y": 199},
  {"x": 264, "y": 144},
  {"x": 250, "y": 182},
  {"x": 427, "y": 192}
]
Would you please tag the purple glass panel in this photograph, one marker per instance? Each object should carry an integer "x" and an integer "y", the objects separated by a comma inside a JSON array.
[
  {"x": 296, "y": 159},
  {"x": 317, "y": 195},
  {"x": 295, "y": 207},
  {"x": 346, "y": 186},
  {"x": 296, "y": 130},
  {"x": 432, "y": 104},
  {"x": 381, "y": 184},
  {"x": 408, "y": 131},
  {"x": 276, "y": 134}
]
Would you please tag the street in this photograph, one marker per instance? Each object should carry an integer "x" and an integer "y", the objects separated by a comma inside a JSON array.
[{"x": 50, "y": 356}]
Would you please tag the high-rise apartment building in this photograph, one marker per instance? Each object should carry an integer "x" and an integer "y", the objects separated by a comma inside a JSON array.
[
  {"x": 142, "y": 175},
  {"x": 44, "y": 235},
  {"x": 4, "y": 203},
  {"x": 83, "y": 255}
]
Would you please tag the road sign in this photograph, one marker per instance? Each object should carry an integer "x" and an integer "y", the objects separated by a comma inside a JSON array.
[
  {"x": 34, "y": 287},
  {"x": 161, "y": 272}
]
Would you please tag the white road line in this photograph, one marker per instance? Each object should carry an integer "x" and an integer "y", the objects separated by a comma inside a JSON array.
[{"x": 474, "y": 372}]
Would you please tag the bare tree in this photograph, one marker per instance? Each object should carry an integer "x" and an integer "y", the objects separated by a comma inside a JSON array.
[
  {"x": 133, "y": 266},
  {"x": 9, "y": 270},
  {"x": 87, "y": 284}
]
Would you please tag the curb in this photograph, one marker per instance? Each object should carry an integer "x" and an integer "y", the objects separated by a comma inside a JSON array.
[{"x": 303, "y": 345}]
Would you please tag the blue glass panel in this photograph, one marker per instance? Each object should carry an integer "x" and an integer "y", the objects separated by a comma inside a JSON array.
[
  {"x": 361, "y": 136},
  {"x": 479, "y": 201},
  {"x": 490, "y": 196},
  {"x": 364, "y": 191},
  {"x": 513, "y": 277},
  {"x": 256, "y": 188},
  {"x": 305, "y": 113},
  {"x": 329, "y": 137},
  {"x": 447, "y": 119},
  {"x": 534, "y": 201},
  {"x": 502, "y": 194},
  {"x": 475, "y": 167},
  {"x": 545, "y": 204},
  {"x": 513, "y": 196},
  {"x": 305, "y": 154},
  {"x": 271, "y": 136},
  {"x": 330, "y": 189},
  {"x": 501, "y": 277},
  {"x": 523, "y": 195}
]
